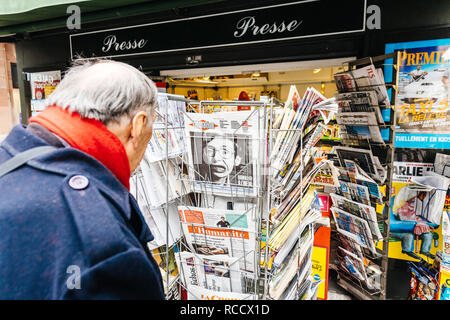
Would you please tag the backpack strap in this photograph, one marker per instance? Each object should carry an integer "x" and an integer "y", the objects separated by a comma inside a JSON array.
[{"x": 22, "y": 158}]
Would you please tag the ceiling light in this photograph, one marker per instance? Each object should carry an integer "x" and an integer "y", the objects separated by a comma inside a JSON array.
[
  {"x": 255, "y": 74},
  {"x": 317, "y": 70}
]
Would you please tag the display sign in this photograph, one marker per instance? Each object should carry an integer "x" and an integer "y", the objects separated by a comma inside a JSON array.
[
  {"x": 422, "y": 112},
  {"x": 320, "y": 259},
  {"x": 287, "y": 21}
]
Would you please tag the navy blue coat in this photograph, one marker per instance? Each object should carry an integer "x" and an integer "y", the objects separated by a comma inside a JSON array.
[{"x": 49, "y": 231}]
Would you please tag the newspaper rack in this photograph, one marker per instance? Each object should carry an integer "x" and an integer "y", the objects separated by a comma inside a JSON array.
[
  {"x": 350, "y": 278},
  {"x": 185, "y": 196}
]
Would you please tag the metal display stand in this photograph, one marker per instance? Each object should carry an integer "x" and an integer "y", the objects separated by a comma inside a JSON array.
[
  {"x": 255, "y": 283},
  {"x": 163, "y": 127},
  {"x": 385, "y": 152}
]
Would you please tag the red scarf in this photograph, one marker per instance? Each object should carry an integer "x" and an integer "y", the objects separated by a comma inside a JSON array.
[{"x": 89, "y": 136}]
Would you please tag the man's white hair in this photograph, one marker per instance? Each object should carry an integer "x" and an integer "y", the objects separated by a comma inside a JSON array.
[{"x": 105, "y": 90}]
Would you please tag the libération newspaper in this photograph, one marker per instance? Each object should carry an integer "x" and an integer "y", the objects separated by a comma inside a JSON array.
[{"x": 219, "y": 273}]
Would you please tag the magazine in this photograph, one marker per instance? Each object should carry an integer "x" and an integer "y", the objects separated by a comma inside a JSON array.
[
  {"x": 442, "y": 164},
  {"x": 42, "y": 84},
  {"x": 360, "y": 210},
  {"x": 434, "y": 187},
  {"x": 222, "y": 152},
  {"x": 354, "y": 227},
  {"x": 218, "y": 231},
  {"x": 218, "y": 273}
]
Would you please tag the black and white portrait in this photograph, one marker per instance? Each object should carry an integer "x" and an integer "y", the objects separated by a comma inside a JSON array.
[{"x": 222, "y": 159}]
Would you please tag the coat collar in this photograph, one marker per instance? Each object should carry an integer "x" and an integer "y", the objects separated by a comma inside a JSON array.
[{"x": 70, "y": 161}]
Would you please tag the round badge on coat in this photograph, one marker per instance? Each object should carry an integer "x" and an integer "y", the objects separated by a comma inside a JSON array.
[{"x": 78, "y": 182}]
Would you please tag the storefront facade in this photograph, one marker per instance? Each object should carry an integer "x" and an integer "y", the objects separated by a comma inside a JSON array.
[
  {"x": 227, "y": 33},
  {"x": 213, "y": 34}
]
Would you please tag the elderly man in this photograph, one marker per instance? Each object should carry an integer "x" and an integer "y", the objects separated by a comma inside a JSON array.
[{"x": 69, "y": 227}]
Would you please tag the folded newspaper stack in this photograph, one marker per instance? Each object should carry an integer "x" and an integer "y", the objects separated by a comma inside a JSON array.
[
  {"x": 361, "y": 98},
  {"x": 168, "y": 130},
  {"x": 222, "y": 249},
  {"x": 297, "y": 171}
]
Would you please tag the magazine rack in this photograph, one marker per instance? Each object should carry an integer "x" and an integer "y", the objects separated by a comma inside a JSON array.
[
  {"x": 183, "y": 211},
  {"x": 190, "y": 198},
  {"x": 384, "y": 151},
  {"x": 189, "y": 201}
]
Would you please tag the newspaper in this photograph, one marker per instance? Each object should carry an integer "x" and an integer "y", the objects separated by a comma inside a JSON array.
[
  {"x": 370, "y": 78},
  {"x": 218, "y": 273},
  {"x": 430, "y": 206},
  {"x": 283, "y": 252},
  {"x": 300, "y": 258},
  {"x": 365, "y": 160},
  {"x": 363, "y": 79},
  {"x": 404, "y": 171},
  {"x": 168, "y": 128},
  {"x": 284, "y": 121},
  {"x": 155, "y": 211},
  {"x": 360, "y": 210},
  {"x": 217, "y": 231},
  {"x": 199, "y": 293},
  {"x": 354, "y": 174},
  {"x": 359, "y": 125},
  {"x": 354, "y": 227},
  {"x": 294, "y": 206},
  {"x": 353, "y": 264},
  {"x": 156, "y": 174},
  {"x": 372, "y": 134},
  {"x": 361, "y": 101},
  {"x": 223, "y": 152},
  {"x": 345, "y": 82},
  {"x": 442, "y": 164},
  {"x": 353, "y": 191},
  {"x": 287, "y": 140}
]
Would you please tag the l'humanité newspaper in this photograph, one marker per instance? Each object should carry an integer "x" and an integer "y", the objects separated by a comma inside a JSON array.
[{"x": 221, "y": 232}]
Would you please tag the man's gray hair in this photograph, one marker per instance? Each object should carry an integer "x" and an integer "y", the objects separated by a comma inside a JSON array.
[{"x": 104, "y": 90}]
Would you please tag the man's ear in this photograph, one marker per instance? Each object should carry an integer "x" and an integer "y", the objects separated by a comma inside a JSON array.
[{"x": 138, "y": 126}]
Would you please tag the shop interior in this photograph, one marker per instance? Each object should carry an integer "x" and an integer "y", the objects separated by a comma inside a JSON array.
[{"x": 250, "y": 82}]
